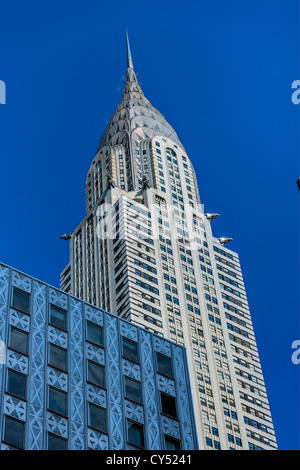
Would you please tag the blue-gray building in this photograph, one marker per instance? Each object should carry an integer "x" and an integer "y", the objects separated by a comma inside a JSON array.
[{"x": 76, "y": 377}]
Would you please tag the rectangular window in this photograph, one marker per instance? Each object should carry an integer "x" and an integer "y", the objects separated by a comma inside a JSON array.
[
  {"x": 94, "y": 334},
  {"x": 164, "y": 365},
  {"x": 16, "y": 384},
  {"x": 171, "y": 444},
  {"x": 97, "y": 418},
  {"x": 96, "y": 374},
  {"x": 58, "y": 357},
  {"x": 217, "y": 445},
  {"x": 135, "y": 434},
  {"x": 56, "y": 442},
  {"x": 130, "y": 350},
  {"x": 14, "y": 432},
  {"x": 57, "y": 401},
  {"x": 18, "y": 340},
  {"x": 168, "y": 405},
  {"x": 133, "y": 390},
  {"x": 58, "y": 317},
  {"x": 21, "y": 300}
]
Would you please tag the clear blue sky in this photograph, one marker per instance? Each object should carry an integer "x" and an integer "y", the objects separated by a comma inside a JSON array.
[{"x": 221, "y": 73}]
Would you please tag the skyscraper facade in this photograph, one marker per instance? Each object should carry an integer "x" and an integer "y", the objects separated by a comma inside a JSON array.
[
  {"x": 74, "y": 377},
  {"x": 145, "y": 251}
]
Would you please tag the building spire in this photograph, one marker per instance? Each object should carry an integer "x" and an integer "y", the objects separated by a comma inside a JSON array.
[{"x": 128, "y": 51}]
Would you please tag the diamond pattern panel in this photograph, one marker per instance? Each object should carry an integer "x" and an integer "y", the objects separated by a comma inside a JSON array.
[
  {"x": 150, "y": 397},
  {"x": 94, "y": 315},
  {"x": 183, "y": 400},
  {"x": 96, "y": 395},
  {"x": 55, "y": 336},
  {"x": 170, "y": 427},
  {"x": 114, "y": 385},
  {"x": 162, "y": 346},
  {"x": 57, "y": 425},
  {"x": 17, "y": 361},
  {"x": 134, "y": 411},
  {"x": 97, "y": 441},
  {"x": 14, "y": 407},
  {"x": 166, "y": 385},
  {"x": 57, "y": 379},
  {"x": 21, "y": 282},
  {"x": 19, "y": 320},
  {"x": 4, "y": 289},
  {"x": 128, "y": 330},
  {"x": 37, "y": 370},
  {"x": 58, "y": 298},
  {"x": 131, "y": 370},
  {"x": 77, "y": 376},
  {"x": 95, "y": 354}
]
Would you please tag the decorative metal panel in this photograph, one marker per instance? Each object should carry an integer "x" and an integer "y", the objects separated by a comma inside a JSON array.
[
  {"x": 183, "y": 400},
  {"x": 4, "y": 289},
  {"x": 134, "y": 411},
  {"x": 57, "y": 379},
  {"x": 170, "y": 427},
  {"x": 94, "y": 315},
  {"x": 36, "y": 415},
  {"x": 131, "y": 370},
  {"x": 77, "y": 376},
  {"x": 115, "y": 411},
  {"x": 21, "y": 282},
  {"x": 96, "y": 395},
  {"x": 57, "y": 425},
  {"x": 17, "y": 361},
  {"x": 19, "y": 320},
  {"x": 166, "y": 385},
  {"x": 97, "y": 441},
  {"x": 150, "y": 397},
  {"x": 95, "y": 354},
  {"x": 58, "y": 298},
  {"x": 128, "y": 330},
  {"x": 58, "y": 337},
  {"x": 162, "y": 346},
  {"x": 14, "y": 407}
]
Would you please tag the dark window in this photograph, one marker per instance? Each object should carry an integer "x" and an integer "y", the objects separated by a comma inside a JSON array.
[
  {"x": 18, "y": 340},
  {"x": 135, "y": 434},
  {"x": 168, "y": 405},
  {"x": 96, "y": 374},
  {"x": 56, "y": 443},
  {"x": 58, "y": 317},
  {"x": 57, "y": 401},
  {"x": 58, "y": 357},
  {"x": 171, "y": 444},
  {"x": 130, "y": 350},
  {"x": 133, "y": 390},
  {"x": 164, "y": 365},
  {"x": 14, "y": 432},
  {"x": 21, "y": 300},
  {"x": 97, "y": 418},
  {"x": 16, "y": 384},
  {"x": 94, "y": 334}
]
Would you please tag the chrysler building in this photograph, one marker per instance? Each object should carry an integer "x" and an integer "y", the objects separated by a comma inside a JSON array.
[{"x": 145, "y": 252}]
